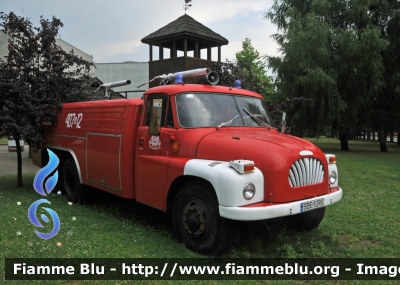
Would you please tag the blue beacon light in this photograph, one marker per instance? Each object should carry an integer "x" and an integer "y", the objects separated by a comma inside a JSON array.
[
  {"x": 237, "y": 84},
  {"x": 178, "y": 78}
]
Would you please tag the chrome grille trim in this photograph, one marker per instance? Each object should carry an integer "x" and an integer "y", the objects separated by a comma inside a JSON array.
[{"x": 306, "y": 171}]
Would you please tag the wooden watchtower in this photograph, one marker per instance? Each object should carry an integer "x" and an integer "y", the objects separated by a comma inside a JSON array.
[{"x": 184, "y": 35}]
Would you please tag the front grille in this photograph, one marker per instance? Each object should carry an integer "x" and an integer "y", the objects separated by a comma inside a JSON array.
[{"x": 306, "y": 171}]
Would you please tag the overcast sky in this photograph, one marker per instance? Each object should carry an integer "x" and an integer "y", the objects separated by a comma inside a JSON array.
[{"x": 111, "y": 30}]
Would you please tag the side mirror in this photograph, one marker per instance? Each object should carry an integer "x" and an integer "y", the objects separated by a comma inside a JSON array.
[{"x": 155, "y": 120}]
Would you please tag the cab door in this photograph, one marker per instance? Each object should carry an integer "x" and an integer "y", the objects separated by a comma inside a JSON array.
[{"x": 152, "y": 153}]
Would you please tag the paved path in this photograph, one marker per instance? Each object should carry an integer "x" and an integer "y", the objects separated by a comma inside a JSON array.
[{"x": 8, "y": 161}]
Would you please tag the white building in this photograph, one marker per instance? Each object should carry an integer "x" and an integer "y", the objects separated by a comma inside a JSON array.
[
  {"x": 63, "y": 44},
  {"x": 136, "y": 72},
  {"x": 68, "y": 47},
  {"x": 3, "y": 44}
]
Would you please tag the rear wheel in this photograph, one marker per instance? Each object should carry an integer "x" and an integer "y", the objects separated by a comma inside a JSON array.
[
  {"x": 197, "y": 221},
  {"x": 73, "y": 188}
]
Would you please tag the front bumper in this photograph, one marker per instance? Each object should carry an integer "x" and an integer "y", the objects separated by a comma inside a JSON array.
[{"x": 269, "y": 211}]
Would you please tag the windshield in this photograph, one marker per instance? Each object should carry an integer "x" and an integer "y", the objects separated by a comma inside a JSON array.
[{"x": 196, "y": 110}]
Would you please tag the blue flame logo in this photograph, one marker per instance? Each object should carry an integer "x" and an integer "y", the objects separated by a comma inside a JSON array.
[
  {"x": 44, "y": 172},
  {"x": 49, "y": 184}
]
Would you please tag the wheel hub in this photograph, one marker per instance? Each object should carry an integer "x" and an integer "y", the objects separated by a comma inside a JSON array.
[{"x": 193, "y": 219}]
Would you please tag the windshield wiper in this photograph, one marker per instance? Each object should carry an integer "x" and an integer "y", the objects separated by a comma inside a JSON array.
[
  {"x": 257, "y": 120},
  {"x": 227, "y": 123}
]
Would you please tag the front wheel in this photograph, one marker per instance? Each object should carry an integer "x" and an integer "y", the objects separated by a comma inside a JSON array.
[
  {"x": 197, "y": 221},
  {"x": 308, "y": 220}
]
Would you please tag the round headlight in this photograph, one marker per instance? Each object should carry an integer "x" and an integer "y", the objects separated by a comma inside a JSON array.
[
  {"x": 249, "y": 190},
  {"x": 332, "y": 177}
]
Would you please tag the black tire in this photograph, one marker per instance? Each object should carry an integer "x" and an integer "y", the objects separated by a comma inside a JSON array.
[
  {"x": 197, "y": 221},
  {"x": 60, "y": 183},
  {"x": 73, "y": 187},
  {"x": 308, "y": 220}
]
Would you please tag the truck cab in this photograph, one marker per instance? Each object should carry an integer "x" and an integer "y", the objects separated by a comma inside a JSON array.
[{"x": 210, "y": 154}]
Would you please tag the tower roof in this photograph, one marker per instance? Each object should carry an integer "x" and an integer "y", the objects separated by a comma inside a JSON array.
[{"x": 185, "y": 26}]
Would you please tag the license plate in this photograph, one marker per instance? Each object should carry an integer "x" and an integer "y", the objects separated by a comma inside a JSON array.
[{"x": 310, "y": 205}]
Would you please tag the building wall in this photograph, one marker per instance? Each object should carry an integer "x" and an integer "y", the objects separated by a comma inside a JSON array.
[
  {"x": 3, "y": 45},
  {"x": 136, "y": 72},
  {"x": 63, "y": 44},
  {"x": 68, "y": 47}
]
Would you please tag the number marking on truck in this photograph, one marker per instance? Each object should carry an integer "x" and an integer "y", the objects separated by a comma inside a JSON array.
[
  {"x": 307, "y": 206},
  {"x": 74, "y": 119}
]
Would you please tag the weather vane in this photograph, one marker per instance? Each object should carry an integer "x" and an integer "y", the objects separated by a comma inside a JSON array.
[{"x": 188, "y": 4}]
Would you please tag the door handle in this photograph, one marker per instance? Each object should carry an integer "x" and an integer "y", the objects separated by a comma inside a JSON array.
[{"x": 141, "y": 142}]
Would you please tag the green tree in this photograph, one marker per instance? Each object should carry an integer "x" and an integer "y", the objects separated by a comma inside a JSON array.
[
  {"x": 229, "y": 72},
  {"x": 305, "y": 73},
  {"x": 253, "y": 70},
  {"x": 331, "y": 56},
  {"x": 248, "y": 67},
  {"x": 386, "y": 105},
  {"x": 35, "y": 79}
]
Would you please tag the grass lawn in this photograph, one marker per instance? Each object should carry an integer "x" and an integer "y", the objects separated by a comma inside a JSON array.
[
  {"x": 3, "y": 140},
  {"x": 364, "y": 224}
]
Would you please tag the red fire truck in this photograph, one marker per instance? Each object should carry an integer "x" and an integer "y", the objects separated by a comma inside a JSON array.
[{"x": 210, "y": 154}]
